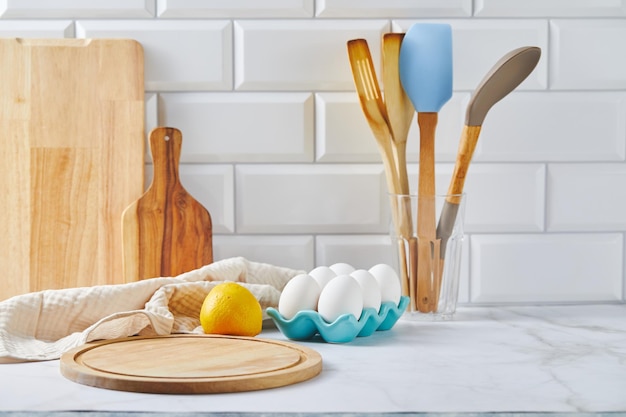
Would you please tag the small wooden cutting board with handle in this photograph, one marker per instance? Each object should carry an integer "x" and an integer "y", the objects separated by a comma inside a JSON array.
[
  {"x": 71, "y": 159},
  {"x": 165, "y": 232}
]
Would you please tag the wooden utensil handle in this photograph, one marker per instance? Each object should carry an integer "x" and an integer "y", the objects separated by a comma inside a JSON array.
[
  {"x": 428, "y": 274},
  {"x": 449, "y": 212},
  {"x": 426, "y": 185},
  {"x": 426, "y": 218},
  {"x": 427, "y": 123},
  {"x": 467, "y": 145}
]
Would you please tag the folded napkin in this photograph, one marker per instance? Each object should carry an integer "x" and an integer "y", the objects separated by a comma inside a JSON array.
[{"x": 42, "y": 325}]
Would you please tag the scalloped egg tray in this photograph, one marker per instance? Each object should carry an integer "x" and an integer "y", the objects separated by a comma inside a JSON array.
[{"x": 308, "y": 323}]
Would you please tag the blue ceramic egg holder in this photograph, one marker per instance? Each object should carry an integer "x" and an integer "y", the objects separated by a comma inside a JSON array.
[{"x": 307, "y": 323}]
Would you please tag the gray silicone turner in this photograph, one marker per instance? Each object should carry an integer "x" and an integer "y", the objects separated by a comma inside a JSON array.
[{"x": 504, "y": 77}]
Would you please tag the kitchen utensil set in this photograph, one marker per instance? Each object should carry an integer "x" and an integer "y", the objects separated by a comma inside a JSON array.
[{"x": 417, "y": 76}]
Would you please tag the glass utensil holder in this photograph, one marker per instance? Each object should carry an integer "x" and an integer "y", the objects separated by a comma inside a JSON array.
[{"x": 428, "y": 251}]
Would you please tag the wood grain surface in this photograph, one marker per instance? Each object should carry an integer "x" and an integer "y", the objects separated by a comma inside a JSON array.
[
  {"x": 190, "y": 364},
  {"x": 71, "y": 159},
  {"x": 166, "y": 232}
]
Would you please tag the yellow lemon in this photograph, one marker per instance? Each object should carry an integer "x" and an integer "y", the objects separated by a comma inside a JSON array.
[{"x": 231, "y": 309}]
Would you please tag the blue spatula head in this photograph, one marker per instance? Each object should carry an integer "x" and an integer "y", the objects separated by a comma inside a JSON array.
[{"x": 426, "y": 65}]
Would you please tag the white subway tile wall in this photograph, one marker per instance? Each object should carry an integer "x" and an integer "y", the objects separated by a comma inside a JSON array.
[{"x": 276, "y": 147}]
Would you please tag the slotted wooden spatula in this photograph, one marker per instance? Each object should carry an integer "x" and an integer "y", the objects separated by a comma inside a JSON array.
[{"x": 165, "y": 232}]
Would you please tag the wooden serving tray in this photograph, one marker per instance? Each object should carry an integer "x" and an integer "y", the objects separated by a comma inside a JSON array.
[{"x": 190, "y": 364}]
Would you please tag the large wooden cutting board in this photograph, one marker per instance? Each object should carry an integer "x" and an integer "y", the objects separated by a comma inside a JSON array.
[
  {"x": 71, "y": 159},
  {"x": 190, "y": 364}
]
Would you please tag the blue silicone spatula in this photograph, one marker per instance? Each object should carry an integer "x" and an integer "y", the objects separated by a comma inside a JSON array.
[{"x": 426, "y": 75}]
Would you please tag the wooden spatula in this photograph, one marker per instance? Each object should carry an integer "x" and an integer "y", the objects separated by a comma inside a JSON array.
[
  {"x": 165, "y": 232},
  {"x": 371, "y": 101},
  {"x": 400, "y": 113},
  {"x": 400, "y": 110}
]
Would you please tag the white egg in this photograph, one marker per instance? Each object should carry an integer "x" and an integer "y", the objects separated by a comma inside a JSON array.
[
  {"x": 342, "y": 268},
  {"x": 300, "y": 293},
  {"x": 342, "y": 295},
  {"x": 370, "y": 287},
  {"x": 390, "y": 289},
  {"x": 322, "y": 275}
]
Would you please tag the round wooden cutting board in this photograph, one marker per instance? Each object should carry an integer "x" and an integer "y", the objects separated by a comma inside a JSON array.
[{"x": 190, "y": 364}]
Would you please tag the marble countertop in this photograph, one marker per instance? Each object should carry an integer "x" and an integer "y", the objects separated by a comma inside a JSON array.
[{"x": 563, "y": 359}]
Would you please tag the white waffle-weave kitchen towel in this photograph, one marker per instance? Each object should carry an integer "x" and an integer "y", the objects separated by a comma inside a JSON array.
[{"x": 42, "y": 325}]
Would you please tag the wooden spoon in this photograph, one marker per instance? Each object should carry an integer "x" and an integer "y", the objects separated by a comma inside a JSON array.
[
  {"x": 502, "y": 78},
  {"x": 426, "y": 75},
  {"x": 166, "y": 231}
]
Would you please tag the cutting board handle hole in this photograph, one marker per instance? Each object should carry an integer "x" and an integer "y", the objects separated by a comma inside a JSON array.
[{"x": 166, "y": 138}]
